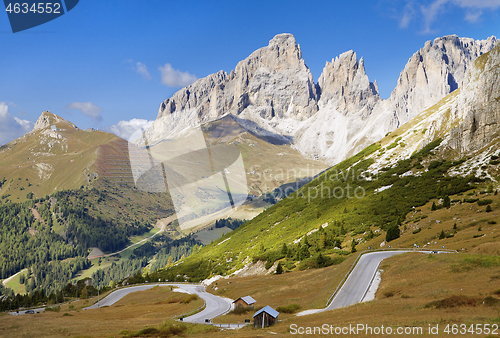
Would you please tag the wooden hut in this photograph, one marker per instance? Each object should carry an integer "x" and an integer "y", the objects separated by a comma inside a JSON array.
[
  {"x": 265, "y": 317},
  {"x": 246, "y": 301}
]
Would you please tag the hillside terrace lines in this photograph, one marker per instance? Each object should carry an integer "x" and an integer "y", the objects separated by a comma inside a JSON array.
[{"x": 114, "y": 164}]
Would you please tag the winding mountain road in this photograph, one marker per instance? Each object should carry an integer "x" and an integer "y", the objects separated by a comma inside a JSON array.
[
  {"x": 214, "y": 305},
  {"x": 357, "y": 284},
  {"x": 352, "y": 291}
]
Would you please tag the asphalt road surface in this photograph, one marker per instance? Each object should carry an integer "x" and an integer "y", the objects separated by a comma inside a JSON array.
[
  {"x": 360, "y": 279},
  {"x": 214, "y": 305},
  {"x": 23, "y": 312},
  {"x": 119, "y": 294}
]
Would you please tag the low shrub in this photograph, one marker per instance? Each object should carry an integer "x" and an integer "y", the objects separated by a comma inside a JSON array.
[
  {"x": 242, "y": 310},
  {"x": 484, "y": 202},
  {"x": 388, "y": 294},
  {"x": 453, "y": 301},
  {"x": 189, "y": 299},
  {"x": 165, "y": 330},
  {"x": 491, "y": 301},
  {"x": 291, "y": 308}
]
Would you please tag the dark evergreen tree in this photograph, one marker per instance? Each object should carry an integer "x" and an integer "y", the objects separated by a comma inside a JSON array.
[
  {"x": 392, "y": 233},
  {"x": 279, "y": 269},
  {"x": 446, "y": 202}
]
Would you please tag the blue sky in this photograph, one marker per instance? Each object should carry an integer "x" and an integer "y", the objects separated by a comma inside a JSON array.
[{"x": 115, "y": 60}]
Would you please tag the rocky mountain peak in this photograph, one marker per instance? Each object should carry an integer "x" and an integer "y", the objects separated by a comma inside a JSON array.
[
  {"x": 477, "y": 106},
  {"x": 433, "y": 72},
  {"x": 345, "y": 80},
  {"x": 47, "y": 120},
  {"x": 272, "y": 83},
  {"x": 285, "y": 42}
]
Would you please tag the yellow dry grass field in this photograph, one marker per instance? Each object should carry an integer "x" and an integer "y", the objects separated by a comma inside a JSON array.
[
  {"x": 132, "y": 313},
  {"x": 417, "y": 290}
]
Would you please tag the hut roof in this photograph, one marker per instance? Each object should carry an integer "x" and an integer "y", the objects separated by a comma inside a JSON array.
[
  {"x": 247, "y": 299},
  {"x": 269, "y": 310}
]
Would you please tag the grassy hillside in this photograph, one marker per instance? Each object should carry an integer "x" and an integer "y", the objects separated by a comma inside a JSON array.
[{"x": 321, "y": 219}]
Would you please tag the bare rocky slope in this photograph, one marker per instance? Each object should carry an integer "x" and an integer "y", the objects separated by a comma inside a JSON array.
[
  {"x": 272, "y": 93},
  {"x": 466, "y": 120}
]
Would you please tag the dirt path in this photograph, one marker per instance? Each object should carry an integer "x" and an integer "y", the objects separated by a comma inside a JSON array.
[
  {"x": 161, "y": 223},
  {"x": 6, "y": 280}
]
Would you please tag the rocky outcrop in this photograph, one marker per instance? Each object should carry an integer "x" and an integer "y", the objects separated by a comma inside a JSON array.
[
  {"x": 270, "y": 85},
  {"x": 432, "y": 73},
  {"x": 345, "y": 81},
  {"x": 272, "y": 81},
  {"x": 466, "y": 120},
  {"x": 477, "y": 106},
  {"x": 47, "y": 119},
  {"x": 276, "y": 81}
]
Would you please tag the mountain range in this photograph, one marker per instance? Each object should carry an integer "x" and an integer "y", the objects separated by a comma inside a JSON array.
[{"x": 272, "y": 93}]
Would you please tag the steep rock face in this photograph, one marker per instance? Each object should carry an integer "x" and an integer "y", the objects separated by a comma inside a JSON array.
[
  {"x": 433, "y": 72},
  {"x": 272, "y": 81},
  {"x": 467, "y": 120},
  {"x": 196, "y": 96},
  {"x": 276, "y": 81},
  {"x": 477, "y": 107},
  {"x": 345, "y": 80}
]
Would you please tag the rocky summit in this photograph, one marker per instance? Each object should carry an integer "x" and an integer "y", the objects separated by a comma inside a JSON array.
[
  {"x": 272, "y": 93},
  {"x": 433, "y": 72}
]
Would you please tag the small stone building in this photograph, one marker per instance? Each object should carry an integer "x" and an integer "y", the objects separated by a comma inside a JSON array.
[
  {"x": 246, "y": 301},
  {"x": 265, "y": 317}
]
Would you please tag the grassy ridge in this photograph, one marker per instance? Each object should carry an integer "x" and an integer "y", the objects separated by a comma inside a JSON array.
[{"x": 343, "y": 202}]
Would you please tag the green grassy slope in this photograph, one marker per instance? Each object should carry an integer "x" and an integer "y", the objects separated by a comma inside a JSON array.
[{"x": 353, "y": 207}]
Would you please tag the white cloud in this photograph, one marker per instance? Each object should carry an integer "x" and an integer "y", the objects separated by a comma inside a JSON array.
[
  {"x": 88, "y": 109},
  {"x": 175, "y": 78},
  {"x": 493, "y": 4},
  {"x": 12, "y": 127},
  {"x": 474, "y": 8},
  {"x": 473, "y": 16},
  {"x": 125, "y": 129},
  {"x": 408, "y": 14},
  {"x": 430, "y": 12},
  {"x": 142, "y": 70}
]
